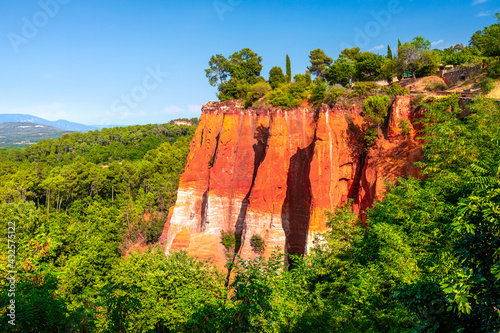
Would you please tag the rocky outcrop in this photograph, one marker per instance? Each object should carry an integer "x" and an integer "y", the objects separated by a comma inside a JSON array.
[{"x": 274, "y": 173}]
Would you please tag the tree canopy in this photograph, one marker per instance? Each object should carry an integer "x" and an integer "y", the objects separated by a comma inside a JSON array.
[
  {"x": 319, "y": 62},
  {"x": 488, "y": 39}
]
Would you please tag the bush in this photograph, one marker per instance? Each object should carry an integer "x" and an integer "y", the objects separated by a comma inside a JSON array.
[
  {"x": 438, "y": 86},
  {"x": 299, "y": 89},
  {"x": 487, "y": 85},
  {"x": 332, "y": 95},
  {"x": 318, "y": 93},
  {"x": 494, "y": 71},
  {"x": 153, "y": 230},
  {"x": 257, "y": 244},
  {"x": 396, "y": 90},
  {"x": 280, "y": 98},
  {"x": 375, "y": 109},
  {"x": 228, "y": 239},
  {"x": 415, "y": 103},
  {"x": 232, "y": 89},
  {"x": 256, "y": 92},
  {"x": 405, "y": 127},
  {"x": 363, "y": 89}
]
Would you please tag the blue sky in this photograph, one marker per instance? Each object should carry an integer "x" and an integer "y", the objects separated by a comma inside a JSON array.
[{"x": 137, "y": 62}]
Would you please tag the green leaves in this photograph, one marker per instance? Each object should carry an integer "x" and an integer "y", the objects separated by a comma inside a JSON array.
[
  {"x": 319, "y": 62},
  {"x": 488, "y": 39}
]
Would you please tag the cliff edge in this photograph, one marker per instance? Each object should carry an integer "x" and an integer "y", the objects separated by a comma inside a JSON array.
[{"x": 272, "y": 174}]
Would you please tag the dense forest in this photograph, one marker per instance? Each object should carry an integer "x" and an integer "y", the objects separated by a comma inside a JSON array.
[
  {"x": 428, "y": 262},
  {"x": 426, "y": 259}
]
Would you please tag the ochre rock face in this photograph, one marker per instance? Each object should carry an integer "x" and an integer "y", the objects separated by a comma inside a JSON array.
[{"x": 274, "y": 173}]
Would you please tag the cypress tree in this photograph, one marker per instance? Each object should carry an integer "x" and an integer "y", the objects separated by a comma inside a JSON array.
[
  {"x": 399, "y": 46},
  {"x": 288, "y": 69},
  {"x": 389, "y": 52}
]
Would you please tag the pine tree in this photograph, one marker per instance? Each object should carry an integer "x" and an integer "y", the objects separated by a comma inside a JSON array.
[
  {"x": 389, "y": 52},
  {"x": 399, "y": 46},
  {"x": 288, "y": 69}
]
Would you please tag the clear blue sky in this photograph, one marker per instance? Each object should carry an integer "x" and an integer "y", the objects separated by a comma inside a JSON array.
[{"x": 84, "y": 56}]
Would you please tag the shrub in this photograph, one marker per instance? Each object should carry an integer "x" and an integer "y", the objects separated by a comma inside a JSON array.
[
  {"x": 153, "y": 230},
  {"x": 494, "y": 71},
  {"x": 228, "y": 239},
  {"x": 363, "y": 89},
  {"x": 332, "y": 95},
  {"x": 280, "y": 98},
  {"x": 232, "y": 89},
  {"x": 396, "y": 90},
  {"x": 438, "y": 86},
  {"x": 415, "y": 103},
  {"x": 256, "y": 92},
  {"x": 299, "y": 89},
  {"x": 487, "y": 85},
  {"x": 318, "y": 93},
  {"x": 257, "y": 244},
  {"x": 405, "y": 127},
  {"x": 375, "y": 109},
  {"x": 303, "y": 78}
]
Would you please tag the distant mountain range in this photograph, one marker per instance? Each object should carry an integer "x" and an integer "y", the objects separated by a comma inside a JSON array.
[{"x": 61, "y": 124}]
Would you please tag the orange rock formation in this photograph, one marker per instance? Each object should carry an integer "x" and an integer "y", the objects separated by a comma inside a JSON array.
[{"x": 274, "y": 173}]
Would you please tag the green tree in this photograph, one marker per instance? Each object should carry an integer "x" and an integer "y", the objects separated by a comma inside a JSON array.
[
  {"x": 389, "y": 52},
  {"x": 488, "y": 39},
  {"x": 375, "y": 110},
  {"x": 351, "y": 53},
  {"x": 276, "y": 77},
  {"x": 415, "y": 55},
  {"x": 368, "y": 66},
  {"x": 168, "y": 288},
  {"x": 218, "y": 70},
  {"x": 340, "y": 71},
  {"x": 245, "y": 65},
  {"x": 319, "y": 62},
  {"x": 288, "y": 69}
]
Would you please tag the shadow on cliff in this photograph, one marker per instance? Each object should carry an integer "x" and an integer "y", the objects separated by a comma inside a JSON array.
[
  {"x": 260, "y": 150},
  {"x": 296, "y": 210}
]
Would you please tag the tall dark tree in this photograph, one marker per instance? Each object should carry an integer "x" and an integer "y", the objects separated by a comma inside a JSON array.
[
  {"x": 288, "y": 69},
  {"x": 319, "y": 62},
  {"x": 399, "y": 46},
  {"x": 389, "y": 52}
]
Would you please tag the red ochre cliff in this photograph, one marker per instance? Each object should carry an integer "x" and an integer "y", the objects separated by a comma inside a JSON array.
[{"x": 274, "y": 173}]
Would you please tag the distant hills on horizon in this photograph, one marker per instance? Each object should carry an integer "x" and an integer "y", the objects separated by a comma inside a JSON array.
[
  {"x": 24, "y": 133},
  {"x": 60, "y": 124}
]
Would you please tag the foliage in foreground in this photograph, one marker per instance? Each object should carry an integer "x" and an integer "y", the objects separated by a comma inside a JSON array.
[{"x": 427, "y": 261}]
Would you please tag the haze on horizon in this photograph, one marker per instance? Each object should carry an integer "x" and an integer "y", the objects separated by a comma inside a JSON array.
[{"x": 133, "y": 62}]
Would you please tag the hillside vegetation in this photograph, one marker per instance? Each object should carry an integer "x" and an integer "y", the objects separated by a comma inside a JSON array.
[
  {"x": 354, "y": 75},
  {"x": 426, "y": 259},
  {"x": 22, "y": 134},
  {"x": 427, "y": 262}
]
